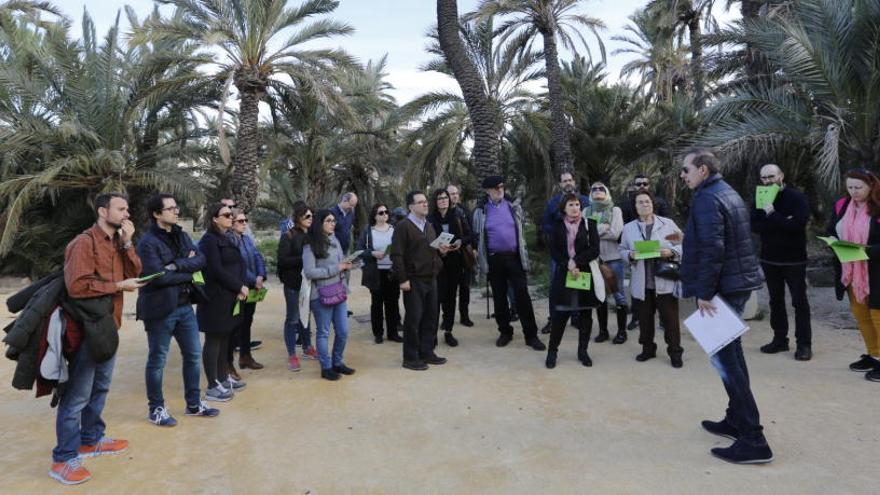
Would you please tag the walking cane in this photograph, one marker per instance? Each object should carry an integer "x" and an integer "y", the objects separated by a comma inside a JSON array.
[{"x": 487, "y": 297}]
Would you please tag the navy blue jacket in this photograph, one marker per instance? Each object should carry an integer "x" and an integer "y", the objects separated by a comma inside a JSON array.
[
  {"x": 718, "y": 256},
  {"x": 552, "y": 215},
  {"x": 783, "y": 232},
  {"x": 343, "y": 227},
  {"x": 158, "y": 249}
]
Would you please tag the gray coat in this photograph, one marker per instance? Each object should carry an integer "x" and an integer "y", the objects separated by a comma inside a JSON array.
[
  {"x": 324, "y": 271},
  {"x": 480, "y": 233},
  {"x": 633, "y": 232}
]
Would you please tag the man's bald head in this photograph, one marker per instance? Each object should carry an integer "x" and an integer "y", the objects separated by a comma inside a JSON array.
[{"x": 772, "y": 174}]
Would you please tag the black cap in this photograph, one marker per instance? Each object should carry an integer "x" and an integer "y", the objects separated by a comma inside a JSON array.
[{"x": 492, "y": 181}]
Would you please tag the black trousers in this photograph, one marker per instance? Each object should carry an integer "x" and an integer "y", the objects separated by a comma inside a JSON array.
[
  {"x": 241, "y": 335},
  {"x": 795, "y": 277},
  {"x": 214, "y": 357},
  {"x": 447, "y": 287},
  {"x": 420, "y": 322},
  {"x": 464, "y": 293},
  {"x": 667, "y": 306},
  {"x": 584, "y": 324},
  {"x": 505, "y": 271},
  {"x": 384, "y": 306}
]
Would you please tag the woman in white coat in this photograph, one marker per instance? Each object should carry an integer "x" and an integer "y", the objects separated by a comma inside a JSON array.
[{"x": 655, "y": 292}]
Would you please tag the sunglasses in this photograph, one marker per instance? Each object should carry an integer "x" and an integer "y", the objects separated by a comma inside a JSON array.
[
  {"x": 597, "y": 188},
  {"x": 441, "y": 198},
  {"x": 244, "y": 220},
  {"x": 307, "y": 216},
  {"x": 226, "y": 215},
  {"x": 768, "y": 177},
  {"x": 645, "y": 183},
  {"x": 383, "y": 212}
]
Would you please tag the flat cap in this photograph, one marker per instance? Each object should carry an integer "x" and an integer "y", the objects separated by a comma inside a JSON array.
[{"x": 492, "y": 181}]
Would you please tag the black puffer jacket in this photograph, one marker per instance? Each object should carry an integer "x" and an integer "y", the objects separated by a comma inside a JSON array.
[{"x": 718, "y": 255}]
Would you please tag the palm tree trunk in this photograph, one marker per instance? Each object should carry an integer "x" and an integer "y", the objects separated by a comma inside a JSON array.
[
  {"x": 245, "y": 186},
  {"x": 485, "y": 119},
  {"x": 696, "y": 39},
  {"x": 749, "y": 10},
  {"x": 563, "y": 159}
]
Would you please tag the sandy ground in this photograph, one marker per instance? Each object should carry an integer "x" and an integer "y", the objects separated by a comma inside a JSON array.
[{"x": 490, "y": 421}]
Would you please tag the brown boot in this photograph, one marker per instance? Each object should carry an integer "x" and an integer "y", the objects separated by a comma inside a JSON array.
[
  {"x": 234, "y": 374},
  {"x": 246, "y": 361}
]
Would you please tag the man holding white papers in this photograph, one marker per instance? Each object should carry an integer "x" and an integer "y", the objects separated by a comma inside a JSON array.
[
  {"x": 718, "y": 259},
  {"x": 856, "y": 219},
  {"x": 782, "y": 225}
]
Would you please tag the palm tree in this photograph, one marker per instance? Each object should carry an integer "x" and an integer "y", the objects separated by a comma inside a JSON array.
[
  {"x": 484, "y": 119},
  {"x": 249, "y": 34},
  {"x": 554, "y": 21}
]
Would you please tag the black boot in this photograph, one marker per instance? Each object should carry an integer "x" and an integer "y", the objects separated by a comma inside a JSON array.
[
  {"x": 583, "y": 343},
  {"x": 550, "y": 362},
  {"x": 621, "y": 326}
]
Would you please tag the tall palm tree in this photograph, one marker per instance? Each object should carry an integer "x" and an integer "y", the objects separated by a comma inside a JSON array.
[
  {"x": 554, "y": 21},
  {"x": 484, "y": 118},
  {"x": 250, "y": 37}
]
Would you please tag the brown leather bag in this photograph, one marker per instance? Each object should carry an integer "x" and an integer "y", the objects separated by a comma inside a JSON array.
[{"x": 610, "y": 278}]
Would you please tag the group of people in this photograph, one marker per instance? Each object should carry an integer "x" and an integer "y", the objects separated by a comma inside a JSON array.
[{"x": 591, "y": 242}]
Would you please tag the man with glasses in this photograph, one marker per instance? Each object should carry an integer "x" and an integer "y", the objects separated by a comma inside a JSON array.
[
  {"x": 782, "y": 226},
  {"x": 502, "y": 255},
  {"x": 718, "y": 259},
  {"x": 567, "y": 185},
  {"x": 165, "y": 306},
  {"x": 464, "y": 287},
  {"x": 416, "y": 265}
]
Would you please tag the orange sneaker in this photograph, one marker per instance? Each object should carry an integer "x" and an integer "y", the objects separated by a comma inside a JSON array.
[
  {"x": 105, "y": 446},
  {"x": 71, "y": 472}
]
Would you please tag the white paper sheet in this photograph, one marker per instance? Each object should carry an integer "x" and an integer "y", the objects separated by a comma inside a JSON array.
[
  {"x": 444, "y": 239},
  {"x": 715, "y": 332}
]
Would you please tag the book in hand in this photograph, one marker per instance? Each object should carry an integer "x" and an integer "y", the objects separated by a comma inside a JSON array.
[
  {"x": 147, "y": 278},
  {"x": 846, "y": 252},
  {"x": 765, "y": 195},
  {"x": 582, "y": 282},
  {"x": 257, "y": 295},
  {"x": 444, "y": 239},
  {"x": 715, "y": 332},
  {"x": 647, "y": 249}
]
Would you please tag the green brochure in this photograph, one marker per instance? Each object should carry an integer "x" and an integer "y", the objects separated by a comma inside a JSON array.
[
  {"x": 647, "y": 249},
  {"x": 388, "y": 250},
  {"x": 236, "y": 309},
  {"x": 150, "y": 277},
  {"x": 765, "y": 195},
  {"x": 846, "y": 252},
  {"x": 257, "y": 295},
  {"x": 596, "y": 218},
  {"x": 583, "y": 282},
  {"x": 198, "y": 278}
]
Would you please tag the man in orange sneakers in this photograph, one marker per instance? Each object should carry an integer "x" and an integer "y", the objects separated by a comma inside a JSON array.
[{"x": 99, "y": 262}]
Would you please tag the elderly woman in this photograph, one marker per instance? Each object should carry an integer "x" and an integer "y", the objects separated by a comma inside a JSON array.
[
  {"x": 609, "y": 224},
  {"x": 654, "y": 290}
]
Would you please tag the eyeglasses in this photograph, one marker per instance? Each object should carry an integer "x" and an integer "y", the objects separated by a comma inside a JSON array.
[
  {"x": 330, "y": 220},
  {"x": 641, "y": 183},
  {"x": 226, "y": 215},
  {"x": 441, "y": 198},
  {"x": 241, "y": 220},
  {"x": 382, "y": 212},
  {"x": 768, "y": 177},
  {"x": 172, "y": 208},
  {"x": 423, "y": 202}
]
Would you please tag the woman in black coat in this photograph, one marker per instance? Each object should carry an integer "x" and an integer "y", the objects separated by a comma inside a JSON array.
[
  {"x": 224, "y": 276},
  {"x": 376, "y": 275},
  {"x": 444, "y": 218},
  {"x": 574, "y": 243},
  {"x": 290, "y": 264}
]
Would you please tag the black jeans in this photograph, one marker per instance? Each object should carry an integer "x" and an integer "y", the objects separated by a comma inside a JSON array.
[
  {"x": 505, "y": 270},
  {"x": 667, "y": 306},
  {"x": 383, "y": 305},
  {"x": 730, "y": 362},
  {"x": 464, "y": 293},
  {"x": 795, "y": 277},
  {"x": 447, "y": 287},
  {"x": 214, "y": 357},
  {"x": 241, "y": 335},
  {"x": 420, "y": 321}
]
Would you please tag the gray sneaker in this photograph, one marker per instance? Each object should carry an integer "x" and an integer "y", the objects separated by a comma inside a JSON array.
[
  {"x": 218, "y": 393},
  {"x": 234, "y": 385}
]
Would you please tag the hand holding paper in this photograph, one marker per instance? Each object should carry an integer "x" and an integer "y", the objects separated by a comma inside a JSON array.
[
  {"x": 765, "y": 195},
  {"x": 846, "y": 252},
  {"x": 647, "y": 250}
]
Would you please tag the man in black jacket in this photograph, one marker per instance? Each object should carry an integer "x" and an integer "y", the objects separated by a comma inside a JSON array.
[
  {"x": 165, "y": 306},
  {"x": 464, "y": 287},
  {"x": 782, "y": 225}
]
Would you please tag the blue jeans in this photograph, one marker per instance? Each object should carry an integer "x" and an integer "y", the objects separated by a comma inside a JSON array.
[
  {"x": 324, "y": 317},
  {"x": 617, "y": 267},
  {"x": 730, "y": 362},
  {"x": 292, "y": 325},
  {"x": 180, "y": 324},
  {"x": 78, "y": 420}
]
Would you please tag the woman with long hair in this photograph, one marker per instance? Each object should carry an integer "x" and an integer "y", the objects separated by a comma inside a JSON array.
[
  {"x": 446, "y": 219},
  {"x": 290, "y": 264},
  {"x": 856, "y": 218},
  {"x": 609, "y": 224},
  {"x": 377, "y": 276},
  {"x": 224, "y": 276},
  {"x": 324, "y": 266}
]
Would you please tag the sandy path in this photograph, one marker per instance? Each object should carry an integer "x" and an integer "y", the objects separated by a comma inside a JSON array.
[{"x": 490, "y": 421}]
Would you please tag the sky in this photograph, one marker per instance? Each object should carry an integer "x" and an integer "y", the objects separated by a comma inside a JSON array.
[{"x": 396, "y": 28}]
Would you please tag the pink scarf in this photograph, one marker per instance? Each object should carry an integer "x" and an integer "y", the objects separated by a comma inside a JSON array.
[
  {"x": 572, "y": 224},
  {"x": 856, "y": 224}
]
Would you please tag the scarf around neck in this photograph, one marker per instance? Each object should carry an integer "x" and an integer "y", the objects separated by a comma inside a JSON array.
[
  {"x": 572, "y": 224},
  {"x": 602, "y": 208},
  {"x": 856, "y": 226}
]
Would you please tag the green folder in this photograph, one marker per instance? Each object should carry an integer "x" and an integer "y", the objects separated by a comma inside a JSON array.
[
  {"x": 150, "y": 277},
  {"x": 765, "y": 195},
  {"x": 647, "y": 249},
  {"x": 198, "y": 278},
  {"x": 596, "y": 218},
  {"x": 583, "y": 282},
  {"x": 846, "y": 252},
  {"x": 388, "y": 250},
  {"x": 257, "y": 295},
  {"x": 236, "y": 309}
]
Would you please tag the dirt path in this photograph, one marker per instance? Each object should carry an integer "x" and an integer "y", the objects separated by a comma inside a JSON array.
[{"x": 490, "y": 421}]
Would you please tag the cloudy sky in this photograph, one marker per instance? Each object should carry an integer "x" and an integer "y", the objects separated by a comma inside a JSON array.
[{"x": 393, "y": 27}]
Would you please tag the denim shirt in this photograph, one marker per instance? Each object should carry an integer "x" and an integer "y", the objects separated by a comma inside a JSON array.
[{"x": 254, "y": 264}]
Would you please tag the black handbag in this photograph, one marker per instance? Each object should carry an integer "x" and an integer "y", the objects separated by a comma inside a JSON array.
[{"x": 667, "y": 269}]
